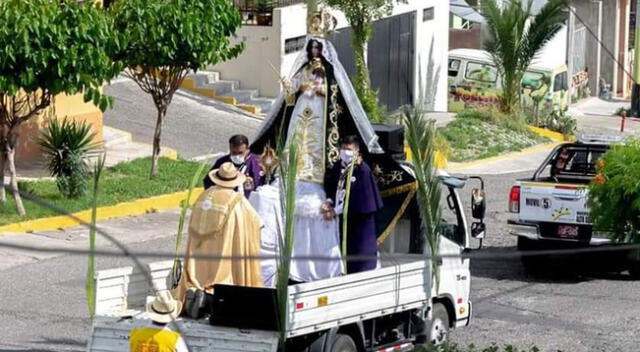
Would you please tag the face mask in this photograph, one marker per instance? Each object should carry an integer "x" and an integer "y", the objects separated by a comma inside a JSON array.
[
  {"x": 346, "y": 155},
  {"x": 237, "y": 159}
]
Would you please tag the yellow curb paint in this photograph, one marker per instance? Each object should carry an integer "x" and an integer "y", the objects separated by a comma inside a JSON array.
[
  {"x": 559, "y": 137},
  {"x": 524, "y": 152},
  {"x": 136, "y": 207}
]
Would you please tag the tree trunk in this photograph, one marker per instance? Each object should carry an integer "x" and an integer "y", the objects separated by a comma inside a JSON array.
[
  {"x": 156, "y": 142},
  {"x": 3, "y": 159},
  {"x": 10, "y": 147}
]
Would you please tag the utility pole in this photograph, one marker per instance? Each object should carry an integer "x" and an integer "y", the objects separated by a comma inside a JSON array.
[{"x": 635, "y": 94}]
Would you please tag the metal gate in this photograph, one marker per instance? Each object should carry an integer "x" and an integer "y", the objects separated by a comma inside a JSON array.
[{"x": 390, "y": 58}]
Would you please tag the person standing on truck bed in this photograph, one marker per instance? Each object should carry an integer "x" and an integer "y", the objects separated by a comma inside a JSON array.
[
  {"x": 245, "y": 161},
  {"x": 222, "y": 223},
  {"x": 364, "y": 202},
  {"x": 158, "y": 337}
]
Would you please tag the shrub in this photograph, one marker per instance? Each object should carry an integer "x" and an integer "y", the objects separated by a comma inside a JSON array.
[
  {"x": 614, "y": 194},
  {"x": 67, "y": 146},
  {"x": 559, "y": 121}
]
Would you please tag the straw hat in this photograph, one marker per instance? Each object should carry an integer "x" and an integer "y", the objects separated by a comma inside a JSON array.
[
  {"x": 164, "y": 308},
  {"x": 227, "y": 176}
]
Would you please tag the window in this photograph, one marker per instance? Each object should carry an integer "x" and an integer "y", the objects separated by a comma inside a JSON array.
[
  {"x": 293, "y": 45},
  {"x": 481, "y": 72},
  {"x": 449, "y": 227},
  {"x": 454, "y": 67},
  {"x": 428, "y": 14},
  {"x": 532, "y": 80},
  {"x": 560, "y": 82}
]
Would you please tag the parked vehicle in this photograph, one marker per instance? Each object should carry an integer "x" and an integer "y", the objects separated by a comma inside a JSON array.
[
  {"x": 549, "y": 210},
  {"x": 474, "y": 81},
  {"x": 390, "y": 308}
]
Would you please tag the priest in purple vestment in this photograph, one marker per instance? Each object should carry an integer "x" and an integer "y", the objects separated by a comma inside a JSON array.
[
  {"x": 245, "y": 161},
  {"x": 364, "y": 202}
]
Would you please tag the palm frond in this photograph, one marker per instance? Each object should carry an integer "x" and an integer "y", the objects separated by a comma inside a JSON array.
[
  {"x": 288, "y": 171},
  {"x": 91, "y": 262},
  {"x": 421, "y": 139}
]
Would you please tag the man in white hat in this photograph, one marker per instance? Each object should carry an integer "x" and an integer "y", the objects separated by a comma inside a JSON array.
[
  {"x": 158, "y": 337},
  {"x": 222, "y": 223}
]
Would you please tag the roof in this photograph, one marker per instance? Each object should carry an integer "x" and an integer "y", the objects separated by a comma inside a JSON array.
[
  {"x": 539, "y": 64},
  {"x": 461, "y": 9}
]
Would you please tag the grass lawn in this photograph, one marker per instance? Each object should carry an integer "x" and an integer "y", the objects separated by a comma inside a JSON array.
[
  {"x": 473, "y": 138},
  {"x": 123, "y": 182}
]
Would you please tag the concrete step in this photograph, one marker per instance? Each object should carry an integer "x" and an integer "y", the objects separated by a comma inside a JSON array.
[
  {"x": 221, "y": 87},
  {"x": 243, "y": 95},
  {"x": 114, "y": 136},
  {"x": 263, "y": 103}
]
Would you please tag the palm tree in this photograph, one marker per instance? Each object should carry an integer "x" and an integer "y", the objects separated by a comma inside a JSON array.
[{"x": 515, "y": 37}]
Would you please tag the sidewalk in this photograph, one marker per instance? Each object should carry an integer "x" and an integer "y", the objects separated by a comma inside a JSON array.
[
  {"x": 526, "y": 160},
  {"x": 147, "y": 228}
]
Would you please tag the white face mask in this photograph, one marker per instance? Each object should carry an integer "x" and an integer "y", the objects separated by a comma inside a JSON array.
[
  {"x": 347, "y": 155},
  {"x": 237, "y": 159}
]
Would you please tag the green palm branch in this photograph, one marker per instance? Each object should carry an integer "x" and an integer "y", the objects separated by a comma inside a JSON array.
[
  {"x": 421, "y": 135},
  {"x": 91, "y": 262},
  {"x": 516, "y": 37}
]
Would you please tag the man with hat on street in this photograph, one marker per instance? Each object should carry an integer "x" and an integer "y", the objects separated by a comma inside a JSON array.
[
  {"x": 222, "y": 223},
  {"x": 158, "y": 337}
]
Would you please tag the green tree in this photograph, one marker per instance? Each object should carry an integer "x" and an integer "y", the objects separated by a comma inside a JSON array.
[
  {"x": 361, "y": 14},
  {"x": 614, "y": 194},
  {"x": 515, "y": 37},
  {"x": 48, "y": 48},
  {"x": 165, "y": 40}
]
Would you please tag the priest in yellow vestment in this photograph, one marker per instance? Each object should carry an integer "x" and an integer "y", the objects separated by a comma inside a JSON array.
[{"x": 222, "y": 223}]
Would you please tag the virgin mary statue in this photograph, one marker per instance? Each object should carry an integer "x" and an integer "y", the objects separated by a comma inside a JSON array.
[{"x": 318, "y": 106}]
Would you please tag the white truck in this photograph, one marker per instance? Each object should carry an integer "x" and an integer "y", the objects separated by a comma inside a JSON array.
[
  {"x": 549, "y": 210},
  {"x": 387, "y": 309}
]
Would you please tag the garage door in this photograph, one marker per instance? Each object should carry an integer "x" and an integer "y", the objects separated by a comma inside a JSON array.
[{"x": 390, "y": 58}]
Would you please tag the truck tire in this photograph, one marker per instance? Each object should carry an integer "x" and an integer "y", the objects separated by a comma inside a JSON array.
[
  {"x": 343, "y": 343},
  {"x": 438, "y": 326},
  {"x": 531, "y": 264},
  {"x": 634, "y": 270}
]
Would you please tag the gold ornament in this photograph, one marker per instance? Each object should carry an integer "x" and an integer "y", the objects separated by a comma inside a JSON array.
[{"x": 321, "y": 24}]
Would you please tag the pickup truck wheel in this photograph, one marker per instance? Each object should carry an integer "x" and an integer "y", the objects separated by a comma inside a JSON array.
[
  {"x": 532, "y": 264},
  {"x": 634, "y": 270},
  {"x": 343, "y": 343},
  {"x": 438, "y": 326}
]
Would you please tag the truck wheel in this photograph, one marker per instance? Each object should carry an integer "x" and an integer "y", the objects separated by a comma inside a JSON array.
[
  {"x": 634, "y": 270},
  {"x": 343, "y": 343},
  {"x": 438, "y": 326},
  {"x": 531, "y": 264}
]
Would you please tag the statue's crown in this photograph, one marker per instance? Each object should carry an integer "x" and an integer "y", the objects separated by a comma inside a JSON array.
[{"x": 321, "y": 23}]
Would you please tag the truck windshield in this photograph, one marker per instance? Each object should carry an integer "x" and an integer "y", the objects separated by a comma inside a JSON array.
[{"x": 573, "y": 163}]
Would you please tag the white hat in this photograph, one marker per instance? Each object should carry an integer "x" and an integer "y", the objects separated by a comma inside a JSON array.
[
  {"x": 227, "y": 176},
  {"x": 164, "y": 308}
]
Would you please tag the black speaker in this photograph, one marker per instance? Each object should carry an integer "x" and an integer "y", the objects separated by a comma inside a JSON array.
[
  {"x": 245, "y": 307},
  {"x": 391, "y": 138}
]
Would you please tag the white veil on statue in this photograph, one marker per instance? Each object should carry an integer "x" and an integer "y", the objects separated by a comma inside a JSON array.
[{"x": 360, "y": 119}]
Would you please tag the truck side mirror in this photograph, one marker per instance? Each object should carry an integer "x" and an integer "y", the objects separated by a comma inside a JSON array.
[
  {"x": 478, "y": 204},
  {"x": 478, "y": 230}
]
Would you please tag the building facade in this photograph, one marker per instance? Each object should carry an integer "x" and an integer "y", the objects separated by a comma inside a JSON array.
[{"x": 406, "y": 55}]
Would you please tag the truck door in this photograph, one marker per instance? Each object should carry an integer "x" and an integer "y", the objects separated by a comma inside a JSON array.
[{"x": 454, "y": 271}]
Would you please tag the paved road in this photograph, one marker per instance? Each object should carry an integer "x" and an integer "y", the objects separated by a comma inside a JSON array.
[
  {"x": 194, "y": 126},
  {"x": 44, "y": 309}
]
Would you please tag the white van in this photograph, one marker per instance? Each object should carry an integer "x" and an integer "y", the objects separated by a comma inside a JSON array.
[{"x": 474, "y": 81}]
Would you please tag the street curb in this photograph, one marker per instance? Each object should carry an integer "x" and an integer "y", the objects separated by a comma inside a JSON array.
[
  {"x": 132, "y": 208},
  {"x": 524, "y": 152}
]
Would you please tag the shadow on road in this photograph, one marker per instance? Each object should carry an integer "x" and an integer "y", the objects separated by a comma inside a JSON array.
[{"x": 566, "y": 269}]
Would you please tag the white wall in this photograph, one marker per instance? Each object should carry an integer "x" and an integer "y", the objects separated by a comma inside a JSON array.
[{"x": 266, "y": 44}]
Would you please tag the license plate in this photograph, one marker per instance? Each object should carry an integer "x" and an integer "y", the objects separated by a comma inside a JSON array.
[{"x": 566, "y": 231}]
